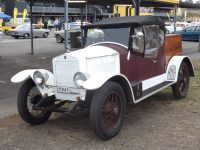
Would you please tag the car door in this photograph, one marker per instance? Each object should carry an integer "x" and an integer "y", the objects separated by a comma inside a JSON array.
[
  {"x": 26, "y": 30},
  {"x": 147, "y": 53},
  {"x": 36, "y": 31},
  {"x": 189, "y": 33}
]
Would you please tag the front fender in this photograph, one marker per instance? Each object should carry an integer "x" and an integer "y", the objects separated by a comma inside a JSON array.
[
  {"x": 25, "y": 74},
  {"x": 174, "y": 66},
  {"x": 97, "y": 80}
]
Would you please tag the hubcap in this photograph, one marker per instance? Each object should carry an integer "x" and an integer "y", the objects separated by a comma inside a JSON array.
[
  {"x": 111, "y": 111},
  {"x": 26, "y": 36}
]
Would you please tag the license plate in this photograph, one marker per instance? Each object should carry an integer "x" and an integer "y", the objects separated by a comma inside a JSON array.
[{"x": 63, "y": 90}]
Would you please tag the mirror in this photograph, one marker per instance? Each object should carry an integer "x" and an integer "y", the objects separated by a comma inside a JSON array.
[{"x": 138, "y": 36}]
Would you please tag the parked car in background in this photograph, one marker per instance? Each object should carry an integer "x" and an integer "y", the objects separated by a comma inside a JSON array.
[
  {"x": 73, "y": 27},
  {"x": 60, "y": 36},
  {"x": 190, "y": 33},
  {"x": 195, "y": 23},
  {"x": 9, "y": 24},
  {"x": 170, "y": 29},
  {"x": 183, "y": 24},
  {"x": 179, "y": 26},
  {"x": 25, "y": 32},
  {"x": 125, "y": 61},
  {"x": 1, "y": 34}
]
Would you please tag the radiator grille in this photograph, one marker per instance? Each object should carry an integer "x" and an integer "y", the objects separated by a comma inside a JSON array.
[{"x": 64, "y": 73}]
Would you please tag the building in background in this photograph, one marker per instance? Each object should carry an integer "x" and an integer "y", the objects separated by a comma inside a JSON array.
[{"x": 42, "y": 11}]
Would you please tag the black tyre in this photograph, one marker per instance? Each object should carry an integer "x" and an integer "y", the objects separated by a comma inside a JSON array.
[
  {"x": 108, "y": 110},
  {"x": 29, "y": 96},
  {"x": 6, "y": 32},
  {"x": 59, "y": 38},
  {"x": 26, "y": 36},
  {"x": 45, "y": 35},
  {"x": 180, "y": 88},
  {"x": 16, "y": 37}
]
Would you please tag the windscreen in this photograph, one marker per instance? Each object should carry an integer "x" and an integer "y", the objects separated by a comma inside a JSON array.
[{"x": 117, "y": 35}]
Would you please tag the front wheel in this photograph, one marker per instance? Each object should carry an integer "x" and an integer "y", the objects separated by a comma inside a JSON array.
[
  {"x": 59, "y": 38},
  {"x": 108, "y": 110},
  {"x": 180, "y": 88},
  {"x": 29, "y": 96}
]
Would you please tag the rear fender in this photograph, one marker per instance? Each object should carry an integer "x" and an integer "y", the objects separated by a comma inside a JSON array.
[{"x": 174, "y": 66}]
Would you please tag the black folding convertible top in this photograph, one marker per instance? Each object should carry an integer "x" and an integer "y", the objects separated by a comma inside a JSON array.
[{"x": 127, "y": 22}]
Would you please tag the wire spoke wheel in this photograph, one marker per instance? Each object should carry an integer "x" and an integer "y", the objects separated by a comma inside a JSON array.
[
  {"x": 108, "y": 108},
  {"x": 180, "y": 89},
  {"x": 182, "y": 81},
  {"x": 111, "y": 111},
  {"x": 28, "y": 97},
  {"x": 33, "y": 98}
]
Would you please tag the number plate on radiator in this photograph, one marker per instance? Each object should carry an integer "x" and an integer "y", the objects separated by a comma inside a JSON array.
[{"x": 63, "y": 90}]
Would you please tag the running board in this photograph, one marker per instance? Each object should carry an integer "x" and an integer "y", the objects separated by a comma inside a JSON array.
[{"x": 153, "y": 90}]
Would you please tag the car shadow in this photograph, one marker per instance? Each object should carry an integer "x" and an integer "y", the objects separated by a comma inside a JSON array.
[{"x": 78, "y": 125}]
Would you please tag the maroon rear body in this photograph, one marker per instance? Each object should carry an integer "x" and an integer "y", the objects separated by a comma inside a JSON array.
[{"x": 138, "y": 68}]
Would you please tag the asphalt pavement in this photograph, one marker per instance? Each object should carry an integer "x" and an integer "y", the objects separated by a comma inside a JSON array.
[{"x": 15, "y": 56}]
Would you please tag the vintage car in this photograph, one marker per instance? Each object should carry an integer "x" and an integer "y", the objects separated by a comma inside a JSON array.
[{"x": 127, "y": 61}]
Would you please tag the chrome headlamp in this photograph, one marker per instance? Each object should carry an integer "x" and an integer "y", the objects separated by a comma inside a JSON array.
[
  {"x": 79, "y": 79},
  {"x": 39, "y": 77}
]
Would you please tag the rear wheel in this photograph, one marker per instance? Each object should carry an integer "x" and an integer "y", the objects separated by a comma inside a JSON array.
[
  {"x": 16, "y": 37},
  {"x": 29, "y": 96},
  {"x": 180, "y": 88},
  {"x": 26, "y": 36},
  {"x": 59, "y": 38},
  {"x": 108, "y": 110},
  {"x": 45, "y": 35},
  {"x": 6, "y": 32}
]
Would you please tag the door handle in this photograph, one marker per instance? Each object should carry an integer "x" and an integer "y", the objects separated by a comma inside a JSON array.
[{"x": 154, "y": 61}]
